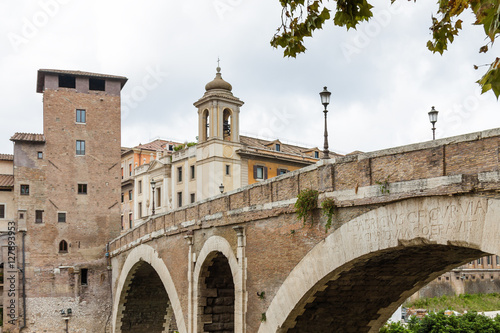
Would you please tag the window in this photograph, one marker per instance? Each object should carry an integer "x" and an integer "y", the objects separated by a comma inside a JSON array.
[
  {"x": 61, "y": 217},
  {"x": 82, "y": 188},
  {"x": 139, "y": 209},
  {"x": 38, "y": 216},
  {"x": 25, "y": 190},
  {"x": 130, "y": 195},
  {"x": 130, "y": 169},
  {"x": 282, "y": 171},
  {"x": 179, "y": 199},
  {"x": 498, "y": 260},
  {"x": 123, "y": 197},
  {"x": 171, "y": 147},
  {"x": 67, "y": 81},
  {"x": 130, "y": 220},
  {"x": 39, "y": 155},
  {"x": 81, "y": 116},
  {"x": 179, "y": 174},
  {"x": 84, "y": 276},
  {"x": 192, "y": 171},
  {"x": 122, "y": 172},
  {"x": 277, "y": 147},
  {"x": 140, "y": 186},
  {"x": 96, "y": 84},
  {"x": 259, "y": 172},
  {"x": 479, "y": 261},
  {"x": 2, "y": 211},
  {"x": 316, "y": 154},
  {"x": 121, "y": 220},
  {"x": 158, "y": 197},
  {"x": 192, "y": 197},
  {"x": 228, "y": 170},
  {"x": 488, "y": 260},
  {"x": 80, "y": 147},
  {"x": 63, "y": 246}
]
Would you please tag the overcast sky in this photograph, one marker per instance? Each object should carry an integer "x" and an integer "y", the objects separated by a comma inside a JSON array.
[{"x": 382, "y": 77}]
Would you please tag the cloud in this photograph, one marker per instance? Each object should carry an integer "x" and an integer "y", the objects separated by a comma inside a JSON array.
[{"x": 381, "y": 93}]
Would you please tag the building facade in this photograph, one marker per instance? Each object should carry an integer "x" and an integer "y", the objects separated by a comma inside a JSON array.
[
  {"x": 222, "y": 160},
  {"x": 67, "y": 205}
]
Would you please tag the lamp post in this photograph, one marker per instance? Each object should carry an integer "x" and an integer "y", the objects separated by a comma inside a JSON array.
[
  {"x": 325, "y": 100},
  {"x": 433, "y": 117},
  {"x": 221, "y": 188},
  {"x": 153, "y": 185}
]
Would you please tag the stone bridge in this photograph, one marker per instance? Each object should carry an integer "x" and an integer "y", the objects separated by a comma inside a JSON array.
[{"x": 243, "y": 262}]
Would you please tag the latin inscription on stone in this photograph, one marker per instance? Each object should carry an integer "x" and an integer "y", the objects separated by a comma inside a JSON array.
[{"x": 428, "y": 218}]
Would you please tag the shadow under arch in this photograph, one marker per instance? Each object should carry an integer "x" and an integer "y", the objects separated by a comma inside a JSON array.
[
  {"x": 430, "y": 235},
  {"x": 217, "y": 245},
  {"x": 139, "y": 255}
]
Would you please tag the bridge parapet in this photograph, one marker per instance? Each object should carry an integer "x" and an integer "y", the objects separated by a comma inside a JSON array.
[{"x": 447, "y": 166}]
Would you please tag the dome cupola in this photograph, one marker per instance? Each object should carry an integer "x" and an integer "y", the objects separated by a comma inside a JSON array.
[{"x": 218, "y": 83}]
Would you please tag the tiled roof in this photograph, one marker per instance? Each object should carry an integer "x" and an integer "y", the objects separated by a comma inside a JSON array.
[
  {"x": 6, "y": 157},
  {"x": 80, "y": 73},
  {"x": 267, "y": 147},
  {"x": 264, "y": 144},
  {"x": 6, "y": 180},
  {"x": 42, "y": 72},
  {"x": 155, "y": 145},
  {"x": 28, "y": 137}
]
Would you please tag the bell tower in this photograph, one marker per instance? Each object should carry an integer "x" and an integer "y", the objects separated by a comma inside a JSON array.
[
  {"x": 218, "y": 139},
  {"x": 218, "y": 112}
]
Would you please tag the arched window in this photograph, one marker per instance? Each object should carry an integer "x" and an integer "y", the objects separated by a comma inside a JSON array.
[
  {"x": 226, "y": 126},
  {"x": 63, "y": 246}
]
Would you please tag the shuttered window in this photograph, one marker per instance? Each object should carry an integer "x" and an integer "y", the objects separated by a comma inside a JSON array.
[{"x": 259, "y": 172}]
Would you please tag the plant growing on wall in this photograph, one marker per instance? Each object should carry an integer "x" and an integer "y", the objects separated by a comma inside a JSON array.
[
  {"x": 179, "y": 147},
  {"x": 307, "y": 201},
  {"x": 329, "y": 209},
  {"x": 384, "y": 185}
]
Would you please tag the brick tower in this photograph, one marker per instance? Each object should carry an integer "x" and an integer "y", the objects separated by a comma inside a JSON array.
[{"x": 67, "y": 192}]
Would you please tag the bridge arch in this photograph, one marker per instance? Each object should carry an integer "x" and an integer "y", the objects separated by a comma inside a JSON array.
[
  {"x": 217, "y": 249},
  {"x": 145, "y": 258},
  {"x": 390, "y": 249}
]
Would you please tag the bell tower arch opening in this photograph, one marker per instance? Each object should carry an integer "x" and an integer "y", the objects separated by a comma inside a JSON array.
[
  {"x": 205, "y": 125},
  {"x": 226, "y": 124},
  {"x": 216, "y": 299}
]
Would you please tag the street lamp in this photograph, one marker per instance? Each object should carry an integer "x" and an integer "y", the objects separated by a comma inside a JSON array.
[
  {"x": 433, "y": 117},
  {"x": 325, "y": 100},
  {"x": 221, "y": 188},
  {"x": 153, "y": 185}
]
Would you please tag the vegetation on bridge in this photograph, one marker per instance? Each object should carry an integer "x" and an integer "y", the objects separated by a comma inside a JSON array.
[{"x": 439, "y": 322}]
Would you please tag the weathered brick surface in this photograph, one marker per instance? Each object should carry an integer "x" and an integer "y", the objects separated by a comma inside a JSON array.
[
  {"x": 92, "y": 219},
  {"x": 218, "y": 291},
  {"x": 426, "y": 163},
  {"x": 260, "y": 194},
  {"x": 477, "y": 156},
  {"x": 239, "y": 200}
]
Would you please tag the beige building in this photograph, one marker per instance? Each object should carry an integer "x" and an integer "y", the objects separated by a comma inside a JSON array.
[{"x": 222, "y": 160}]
